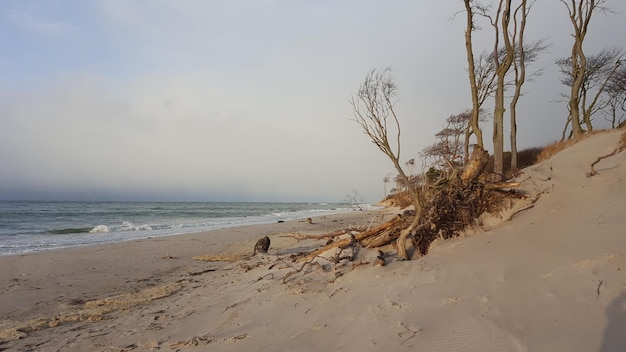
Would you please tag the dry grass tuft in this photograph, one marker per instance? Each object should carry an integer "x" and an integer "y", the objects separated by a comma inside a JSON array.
[
  {"x": 552, "y": 149},
  {"x": 400, "y": 200}
]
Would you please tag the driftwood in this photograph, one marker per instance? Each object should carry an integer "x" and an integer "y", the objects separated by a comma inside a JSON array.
[
  {"x": 377, "y": 229},
  {"x": 347, "y": 241},
  {"x": 593, "y": 171},
  {"x": 381, "y": 239},
  {"x": 501, "y": 185},
  {"x": 529, "y": 206},
  {"x": 390, "y": 234},
  {"x": 309, "y": 263},
  {"x": 475, "y": 165},
  {"x": 301, "y": 236}
]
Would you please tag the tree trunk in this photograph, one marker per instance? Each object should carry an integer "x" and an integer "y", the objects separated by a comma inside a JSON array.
[
  {"x": 472, "y": 75},
  {"x": 501, "y": 70},
  {"x": 466, "y": 145},
  {"x": 575, "y": 116},
  {"x": 404, "y": 236},
  {"x": 580, "y": 15},
  {"x": 520, "y": 77},
  {"x": 578, "y": 69},
  {"x": 498, "y": 132},
  {"x": 415, "y": 198},
  {"x": 587, "y": 121},
  {"x": 567, "y": 122},
  {"x": 513, "y": 142},
  {"x": 476, "y": 164}
]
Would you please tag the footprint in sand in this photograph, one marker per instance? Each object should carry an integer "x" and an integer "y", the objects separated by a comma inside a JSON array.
[{"x": 451, "y": 300}]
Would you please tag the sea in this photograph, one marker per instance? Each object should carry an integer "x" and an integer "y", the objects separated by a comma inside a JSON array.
[{"x": 29, "y": 226}]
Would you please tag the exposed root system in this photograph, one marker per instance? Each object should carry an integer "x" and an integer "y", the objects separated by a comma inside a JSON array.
[{"x": 454, "y": 207}]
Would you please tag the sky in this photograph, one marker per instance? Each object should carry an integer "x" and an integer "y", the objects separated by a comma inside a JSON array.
[{"x": 242, "y": 100}]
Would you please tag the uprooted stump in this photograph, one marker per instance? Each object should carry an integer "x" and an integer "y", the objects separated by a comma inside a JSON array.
[{"x": 451, "y": 209}]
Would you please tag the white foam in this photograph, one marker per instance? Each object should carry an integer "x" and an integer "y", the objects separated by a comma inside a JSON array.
[{"x": 100, "y": 229}]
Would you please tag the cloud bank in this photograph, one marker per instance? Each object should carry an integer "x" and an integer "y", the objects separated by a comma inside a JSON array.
[{"x": 237, "y": 100}]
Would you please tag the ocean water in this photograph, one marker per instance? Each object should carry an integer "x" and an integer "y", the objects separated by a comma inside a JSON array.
[{"x": 38, "y": 226}]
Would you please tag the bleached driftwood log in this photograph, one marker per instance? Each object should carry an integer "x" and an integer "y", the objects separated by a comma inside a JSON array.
[
  {"x": 381, "y": 239},
  {"x": 347, "y": 241},
  {"x": 301, "y": 236},
  {"x": 501, "y": 185}
]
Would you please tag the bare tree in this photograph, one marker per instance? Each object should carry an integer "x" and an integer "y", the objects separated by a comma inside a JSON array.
[
  {"x": 373, "y": 106},
  {"x": 400, "y": 185},
  {"x": 490, "y": 74},
  {"x": 485, "y": 73},
  {"x": 447, "y": 154},
  {"x": 386, "y": 180},
  {"x": 599, "y": 71},
  {"x": 524, "y": 55},
  {"x": 484, "y": 82},
  {"x": 355, "y": 200},
  {"x": 482, "y": 72},
  {"x": 519, "y": 68},
  {"x": 501, "y": 26},
  {"x": 580, "y": 13},
  {"x": 615, "y": 105}
]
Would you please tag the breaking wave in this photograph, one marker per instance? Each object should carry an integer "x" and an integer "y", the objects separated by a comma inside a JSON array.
[{"x": 100, "y": 229}]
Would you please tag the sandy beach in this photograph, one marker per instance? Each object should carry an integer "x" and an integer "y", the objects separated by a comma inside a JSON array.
[{"x": 546, "y": 275}]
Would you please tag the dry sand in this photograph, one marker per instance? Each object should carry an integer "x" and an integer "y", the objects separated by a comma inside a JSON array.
[{"x": 550, "y": 279}]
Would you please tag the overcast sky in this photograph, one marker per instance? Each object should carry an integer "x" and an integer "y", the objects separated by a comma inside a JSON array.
[{"x": 240, "y": 100}]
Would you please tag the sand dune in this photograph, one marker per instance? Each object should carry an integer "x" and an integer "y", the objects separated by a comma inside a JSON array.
[{"x": 552, "y": 278}]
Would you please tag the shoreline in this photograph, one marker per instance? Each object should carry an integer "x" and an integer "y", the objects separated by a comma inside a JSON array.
[
  {"x": 91, "y": 272},
  {"x": 261, "y": 225},
  {"x": 119, "y": 222}
]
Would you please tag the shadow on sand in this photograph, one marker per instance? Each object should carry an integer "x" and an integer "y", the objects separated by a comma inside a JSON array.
[{"x": 614, "y": 339}]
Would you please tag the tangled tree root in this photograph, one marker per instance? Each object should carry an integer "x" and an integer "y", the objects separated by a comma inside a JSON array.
[{"x": 452, "y": 208}]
